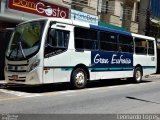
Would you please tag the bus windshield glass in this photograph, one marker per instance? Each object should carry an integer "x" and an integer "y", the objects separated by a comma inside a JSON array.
[{"x": 26, "y": 40}]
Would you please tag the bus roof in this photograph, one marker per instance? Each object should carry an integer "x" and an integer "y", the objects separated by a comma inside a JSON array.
[
  {"x": 87, "y": 25},
  {"x": 142, "y": 36},
  {"x": 110, "y": 30}
]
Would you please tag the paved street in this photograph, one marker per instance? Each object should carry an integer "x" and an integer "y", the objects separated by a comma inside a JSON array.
[{"x": 111, "y": 96}]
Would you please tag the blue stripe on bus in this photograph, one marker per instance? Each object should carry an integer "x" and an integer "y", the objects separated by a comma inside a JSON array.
[
  {"x": 148, "y": 67},
  {"x": 67, "y": 69},
  {"x": 99, "y": 69},
  {"x": 110, "y": 30}
]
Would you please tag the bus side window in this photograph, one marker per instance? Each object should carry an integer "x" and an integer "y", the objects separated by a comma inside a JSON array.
[
  {"x": 58, "y": 38},
  {"x": 86, "y": 39},
  {"x": 150, "y": 47},
  {"x": 51, "y": 36},
  {"x": 125, "y": 44},
  {"x": 108, "y": 41},
  {"x": 57, "y": 41},
  {"x": 140, "y": 46}
]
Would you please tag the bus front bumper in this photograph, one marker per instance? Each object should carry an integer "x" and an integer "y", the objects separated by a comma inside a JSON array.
[{"x": 29, "y": 78}]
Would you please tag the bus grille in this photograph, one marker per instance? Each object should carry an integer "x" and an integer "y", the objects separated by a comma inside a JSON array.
[
  {"x": 19, "y": 79},
  {"x": 17, "y": 68}
]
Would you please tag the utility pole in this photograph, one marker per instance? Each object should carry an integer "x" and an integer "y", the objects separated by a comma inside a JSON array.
[
  {"x": 144, "y": 17},
  {"x": 127, "y": 13},
  {"x": 148, "y": 28}
]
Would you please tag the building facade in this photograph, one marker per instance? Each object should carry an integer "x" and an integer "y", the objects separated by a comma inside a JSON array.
[
  {"x": 149, "y": 20},
  {"x": 155, "y": 18},
  {"x": 122, "y": 13},
  {"x": 15, "y": 11}
]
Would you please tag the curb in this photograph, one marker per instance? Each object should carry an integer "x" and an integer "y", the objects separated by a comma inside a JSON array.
[
  {"x": 2, "y": 82},
  {"x": 152, "y": 76}
]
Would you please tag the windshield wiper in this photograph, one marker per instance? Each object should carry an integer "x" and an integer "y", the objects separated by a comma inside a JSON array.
[
  {"x": 19, "y": 42},
  {"x": 10, "y": 53},
  {"x": 20, "y": 46}
]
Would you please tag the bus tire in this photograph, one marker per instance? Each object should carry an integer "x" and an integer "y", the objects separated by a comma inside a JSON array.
[
  {"x": 137, "y": 77},
  {"x": 78, "y": 78}
]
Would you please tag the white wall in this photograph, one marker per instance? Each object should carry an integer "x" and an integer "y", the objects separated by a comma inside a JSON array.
[{"x": 117, "y": 10}]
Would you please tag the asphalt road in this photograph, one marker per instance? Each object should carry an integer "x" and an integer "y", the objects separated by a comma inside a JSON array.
[{"x": 105, "y": 97}]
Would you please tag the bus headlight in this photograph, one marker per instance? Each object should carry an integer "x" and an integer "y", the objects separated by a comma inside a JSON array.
[{"x": 34, "y": 65}]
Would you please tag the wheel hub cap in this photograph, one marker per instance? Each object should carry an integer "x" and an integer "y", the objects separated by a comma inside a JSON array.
[
  {"x": 138, "y": 75},
  {"x": 79, "y": 78}
]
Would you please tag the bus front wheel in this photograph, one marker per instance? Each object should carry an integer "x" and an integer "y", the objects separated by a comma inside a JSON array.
[
  {"x": 79, "y": 78},
  {"x": 137, "y": 75}
]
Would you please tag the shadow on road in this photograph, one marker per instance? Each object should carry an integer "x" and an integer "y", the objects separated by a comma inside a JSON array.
[
  {"x": 143, "y": 100},
  {"x": 66, "y": 86}
]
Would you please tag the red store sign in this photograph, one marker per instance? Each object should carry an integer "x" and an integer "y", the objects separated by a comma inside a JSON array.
[{"x": 39, "y": 7}]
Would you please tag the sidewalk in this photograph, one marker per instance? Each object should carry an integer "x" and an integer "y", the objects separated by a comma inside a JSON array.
[
  {"x": 153, "y": 76},
  {"x": 2, "y": 83}
]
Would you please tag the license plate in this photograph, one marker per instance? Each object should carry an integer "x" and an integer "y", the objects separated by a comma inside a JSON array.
[{"x": 15, "y": 77}]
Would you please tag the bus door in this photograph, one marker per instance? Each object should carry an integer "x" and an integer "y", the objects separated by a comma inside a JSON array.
[
  {"x": 152, "y": 55},
  {"x": 145, "y": 55},
  {"x": 57, "y": 55}
]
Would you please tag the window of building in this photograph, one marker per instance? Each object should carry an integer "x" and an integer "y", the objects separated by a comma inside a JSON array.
[
  {"x": 83, "y": 2},
  {"x": 125, "y": 44},
  {"x": 108, "y": 41},
  {"x": 104, "y": 7},
  {"x": 79, "y": 4},
  {"x": 140, "y": 46},
  {"x": 86, "y": 39}
]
